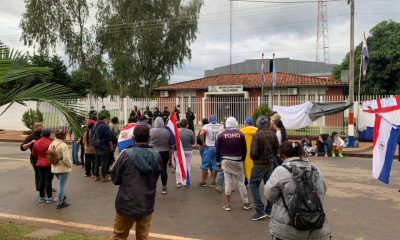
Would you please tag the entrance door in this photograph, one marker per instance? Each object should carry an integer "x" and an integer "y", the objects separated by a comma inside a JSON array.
[{"x": 224, "y": 107}]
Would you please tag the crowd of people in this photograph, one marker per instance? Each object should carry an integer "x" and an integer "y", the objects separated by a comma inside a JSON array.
[{"x": 258, "y": 152}]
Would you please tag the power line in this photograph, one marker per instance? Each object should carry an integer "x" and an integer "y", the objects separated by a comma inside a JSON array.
[{"x": 285, "y": 2}]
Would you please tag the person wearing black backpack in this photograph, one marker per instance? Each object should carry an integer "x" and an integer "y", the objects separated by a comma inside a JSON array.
[{"x": 291, "y": 185}]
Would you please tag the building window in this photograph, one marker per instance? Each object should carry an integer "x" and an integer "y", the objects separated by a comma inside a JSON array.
[
  {"x": 311, "y": 98},
  {"x": 193, "y": 104},
  {"x": 302, "y": 99},
  {"x": 185, "y": 104},
  {"x": 266, "y": 100}
]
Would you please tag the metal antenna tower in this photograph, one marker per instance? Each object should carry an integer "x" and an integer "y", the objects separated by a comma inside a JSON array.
[{"x": 322, "y": 53}]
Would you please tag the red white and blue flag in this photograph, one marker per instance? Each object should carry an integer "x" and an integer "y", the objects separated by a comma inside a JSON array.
[
  {"x": 365, "y": 56},
  {"x": 385, "y": 142},
  {"x": 262, "y": 70},
  {"x": 181, "y": 170},
  {"x": 125, "y": 138}
]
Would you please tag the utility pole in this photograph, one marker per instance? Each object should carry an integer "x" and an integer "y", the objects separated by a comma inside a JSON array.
[{"x": 351, "y": 80}]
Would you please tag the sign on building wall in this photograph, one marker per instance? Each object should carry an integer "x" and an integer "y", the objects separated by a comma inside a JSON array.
[{"x": 226, "y": 88}]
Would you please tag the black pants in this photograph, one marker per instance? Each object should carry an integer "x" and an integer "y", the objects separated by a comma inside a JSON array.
[
  {"x": 101, "y": 160},
  {"x": 33, "y": 162},
  {"x": 191, "y": 126},
  {"x": 82, "y": 154},
  {"x": 164, "y": 162},
  {"x": 89, "y": 164},
  {"x": 111, "y": 160},
  {"x": 45, "y": 179}
]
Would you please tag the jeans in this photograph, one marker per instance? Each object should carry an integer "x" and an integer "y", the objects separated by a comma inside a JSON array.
[
  {"x": 75, "y": 150},
  {"x": 33, "y": 163},
  {"x": 82, "y": 154},
  {"x": 220, "y": 178},
  {"x": 101, "y": 160},
  {"x": 259, "y": 174},
  {"x": 89, "y": 164},
  {"x": 62, "y": 182},
  {"x": 45, "y": 179},
  {"x": 164, "y": 163},
  {"x": 122, "y": 225}
]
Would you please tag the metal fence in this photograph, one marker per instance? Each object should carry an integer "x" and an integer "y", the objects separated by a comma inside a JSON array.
[{"x": 222, "y": 107}]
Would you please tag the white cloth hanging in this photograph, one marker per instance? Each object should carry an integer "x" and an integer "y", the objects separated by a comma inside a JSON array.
[{"x": 295, "y": 117}]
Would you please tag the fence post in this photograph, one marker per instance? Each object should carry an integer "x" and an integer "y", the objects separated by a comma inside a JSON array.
[
  {"x": 258, "y": 101},
  {"x": 203, "y": 107}
]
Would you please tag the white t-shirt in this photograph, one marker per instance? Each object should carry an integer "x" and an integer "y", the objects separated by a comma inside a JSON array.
[{"x": 211, "y": 132}]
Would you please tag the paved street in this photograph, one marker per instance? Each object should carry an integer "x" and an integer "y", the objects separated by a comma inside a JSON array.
[{"x": 357, "y": 206}]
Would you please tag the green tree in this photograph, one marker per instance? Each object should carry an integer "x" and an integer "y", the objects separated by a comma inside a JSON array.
[
  {"x": 383, "y": 75},
  {"x": 262, "y": 110},
  {"x": 31, "y": 116},
  {"x": 48, "y": 23},
  {"x": 15, "y": 67},
  {"x": 145, "y": 39}
]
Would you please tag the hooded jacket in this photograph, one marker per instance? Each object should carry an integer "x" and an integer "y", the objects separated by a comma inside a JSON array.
[
  {"x": 248, "y": 132},
  {"x": 160, "y": 137},
  {"x": 281, "y": 183},
  {"x": 136, "y": 171}
]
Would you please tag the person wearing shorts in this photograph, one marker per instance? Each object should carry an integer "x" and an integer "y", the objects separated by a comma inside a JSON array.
[{"x": 208, "y": 136}]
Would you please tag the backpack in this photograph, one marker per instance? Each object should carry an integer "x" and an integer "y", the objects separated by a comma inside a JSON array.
[
  {"x": 306, "y": 211},
  {"x": 94, "y": 138},
  {"x": 198, "y": 139},
  {"x": 51, "y": 155}
]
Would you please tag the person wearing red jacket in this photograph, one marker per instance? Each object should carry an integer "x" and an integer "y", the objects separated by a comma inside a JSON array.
[{"x": 39, "y": 150}]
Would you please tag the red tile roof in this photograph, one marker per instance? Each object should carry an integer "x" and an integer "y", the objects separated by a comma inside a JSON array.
[{"x": 253, "y": 80}]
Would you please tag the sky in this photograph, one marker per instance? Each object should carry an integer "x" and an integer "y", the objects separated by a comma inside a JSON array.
[{"x": 286, "y": 29}]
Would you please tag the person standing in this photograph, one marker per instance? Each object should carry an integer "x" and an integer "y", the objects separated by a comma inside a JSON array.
[
  {"x": 101, "y": 140},
  {"x": 162, "y": 140},
  {"x": 136, "y": 172},
  {"x": 263, "y": 150},
  {"x": 156, "y": 113},
  {"x": 135, "y": 113},
  {"x": 190, "y": 117},
  {"x": 105, "y": 111},
  {"x": 64, "y": 166},
  {"x": 165, "y": 115},
  {"x": 177, "y": 112},
  {"x": 208, "y": 136},
  {"x": 45, "y": 176},
  {"x": 280, "y": 131},
  {"x": 149, "y": 115},
  {"x": 231, "y": 150},
  {"x": 249, "y": 130},
  {"x": 28, "y": 144},
  {"x": 75, "y": 148},
  {"x": 187, "y": 139},
  {"x": 281, "y": 189},
  {"x": 90, "y": 154},
  {"x": 92, "y": 113}
]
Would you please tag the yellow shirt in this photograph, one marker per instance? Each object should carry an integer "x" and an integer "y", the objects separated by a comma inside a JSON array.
[{"x": 248, "y": 132}]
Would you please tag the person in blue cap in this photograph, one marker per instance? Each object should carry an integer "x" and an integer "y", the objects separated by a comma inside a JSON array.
[{"x": 208, "y": 136}]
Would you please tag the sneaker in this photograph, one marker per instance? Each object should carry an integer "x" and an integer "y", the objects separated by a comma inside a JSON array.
[
  {"x": 87, "y": 175},
  {"x": 49, "y": 200},
  {"x": 333, "y": 155},
  {"x": 41, "y": 200},
  {"x": 247, "y": 206},
  {"x": 97, "y": 179},
  {"x": 106, "y": 179},
  {"x": 258, "y": 216},
  {"x": 340, "y": 155},
  {"x": 62, "y": 205},
  {"x": 227, "y": 208},
  {"x": 203, "y": 184},
  {"x": 164, "y": 190},
  {"x": 219, "y": 189},
  {"x": 212, "y": 185},
  {"x": 326, "y": 155},
  {"x": 178, "y": 185}
]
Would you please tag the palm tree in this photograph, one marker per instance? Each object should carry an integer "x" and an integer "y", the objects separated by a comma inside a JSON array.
[{"x": 15, "y": 68}]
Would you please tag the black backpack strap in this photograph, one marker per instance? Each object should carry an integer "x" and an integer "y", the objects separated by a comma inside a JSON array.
[{"x": 283, "y": 199}]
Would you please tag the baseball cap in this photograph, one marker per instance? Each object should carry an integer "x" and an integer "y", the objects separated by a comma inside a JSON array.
[
  {"x": 213, "y": 119},
  {"x": 249, "y": 120}
]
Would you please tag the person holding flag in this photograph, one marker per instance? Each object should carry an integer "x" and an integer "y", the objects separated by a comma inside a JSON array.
[
  {"x": 162, "y": 140},
  {"x": 184, "y": 139}
]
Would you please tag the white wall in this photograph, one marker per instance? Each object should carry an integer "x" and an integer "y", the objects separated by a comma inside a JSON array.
[{"x": 12, "y": 118}]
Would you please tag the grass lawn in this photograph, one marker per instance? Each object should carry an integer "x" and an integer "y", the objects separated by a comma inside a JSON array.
[{"x": 10, "y": 231}]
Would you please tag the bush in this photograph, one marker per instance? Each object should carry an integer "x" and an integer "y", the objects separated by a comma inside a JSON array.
[
  {"x": 30, "y": 117},
  {"x": 261, "y": 110}
]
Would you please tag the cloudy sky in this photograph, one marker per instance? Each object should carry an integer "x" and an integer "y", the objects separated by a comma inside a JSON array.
[{"x": 288, "y": 30}]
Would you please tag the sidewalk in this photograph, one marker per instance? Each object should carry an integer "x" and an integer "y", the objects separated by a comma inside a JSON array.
[{"x": 364, "y": 150}]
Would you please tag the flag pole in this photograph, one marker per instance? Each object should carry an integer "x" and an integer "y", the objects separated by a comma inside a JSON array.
[
  {"x": 262, "y": 79},
  {"x": 272, "y": 80}
]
